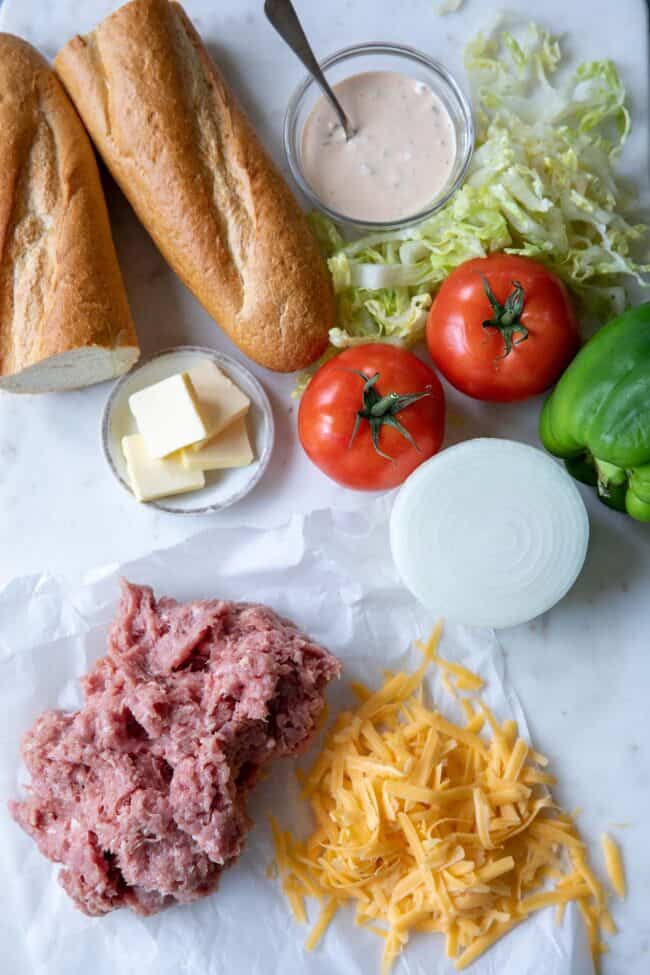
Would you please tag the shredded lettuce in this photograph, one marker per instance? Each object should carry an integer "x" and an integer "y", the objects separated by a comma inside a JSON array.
[{"x": 541, "y": 183}]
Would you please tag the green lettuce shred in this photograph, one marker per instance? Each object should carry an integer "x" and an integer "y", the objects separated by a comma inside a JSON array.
[{"x": 541, "y": 183}]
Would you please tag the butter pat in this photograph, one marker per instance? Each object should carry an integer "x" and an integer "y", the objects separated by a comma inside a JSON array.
[
  {"x": 219, "y": 400},
  {"x": 153, "y": 478},
  {"x": 229, "y": 449},
  {"x": 168, "y": 416}
]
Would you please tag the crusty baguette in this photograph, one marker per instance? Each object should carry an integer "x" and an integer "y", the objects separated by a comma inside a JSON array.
[
  {"x": 64, "y": 315},
  {"x": 186, "y": 157}
]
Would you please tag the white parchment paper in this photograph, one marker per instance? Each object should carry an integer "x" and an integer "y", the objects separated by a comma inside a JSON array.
[{"x": 332, "y": 574}]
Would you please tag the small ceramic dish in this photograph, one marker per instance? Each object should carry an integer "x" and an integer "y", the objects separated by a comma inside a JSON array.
[
  {"x": 381, "y": 57},
  {"x": 222, "y": 488}
]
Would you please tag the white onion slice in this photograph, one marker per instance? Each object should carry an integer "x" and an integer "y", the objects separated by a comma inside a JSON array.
[{"x": 489, "y": 533}]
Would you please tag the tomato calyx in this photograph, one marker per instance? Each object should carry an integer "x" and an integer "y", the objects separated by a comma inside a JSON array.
[
  {"x": 507, "y": 317},
  {"x": 380, "y": 411}
]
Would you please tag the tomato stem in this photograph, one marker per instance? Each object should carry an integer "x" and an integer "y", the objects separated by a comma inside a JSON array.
[
  {"x": 381, "y": 411},
  {"x": 507, "y": 317}
]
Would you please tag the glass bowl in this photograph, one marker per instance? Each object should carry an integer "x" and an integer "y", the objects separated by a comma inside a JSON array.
[
  {"x": 381, "y": 57},
  {"x": 222, "y": 488}
]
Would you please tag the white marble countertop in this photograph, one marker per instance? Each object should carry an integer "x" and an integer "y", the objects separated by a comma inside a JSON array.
[{"x": 582, "y": 670}]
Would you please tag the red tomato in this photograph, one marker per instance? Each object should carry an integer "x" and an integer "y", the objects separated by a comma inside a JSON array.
[
  {"x": 502, "y": 328},
  {"x": 336, "y": 425}
]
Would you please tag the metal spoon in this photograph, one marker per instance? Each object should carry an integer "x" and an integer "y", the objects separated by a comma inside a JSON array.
[{"x": 284, "y": 18}]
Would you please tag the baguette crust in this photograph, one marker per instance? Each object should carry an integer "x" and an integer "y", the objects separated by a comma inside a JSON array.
[
  {"x": 61, "y": 290},
  {"x": 194, "y": 171}
]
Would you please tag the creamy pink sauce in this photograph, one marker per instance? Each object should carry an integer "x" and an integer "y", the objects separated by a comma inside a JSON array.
[{"x": 399, "y": 160}]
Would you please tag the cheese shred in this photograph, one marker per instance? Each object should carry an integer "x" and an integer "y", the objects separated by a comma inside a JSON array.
[
  {"x": 614, "y": 864},
  {"x": 429, "y": 825}
]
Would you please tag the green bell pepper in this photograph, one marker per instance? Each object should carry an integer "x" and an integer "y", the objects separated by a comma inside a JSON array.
[{"x": 598, "y": 416}]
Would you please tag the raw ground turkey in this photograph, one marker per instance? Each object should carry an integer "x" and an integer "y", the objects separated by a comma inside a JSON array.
[{"x": 141, "y": 794}]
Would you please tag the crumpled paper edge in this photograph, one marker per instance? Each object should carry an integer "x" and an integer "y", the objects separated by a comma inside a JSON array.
[{"x": 326, "y": 558}]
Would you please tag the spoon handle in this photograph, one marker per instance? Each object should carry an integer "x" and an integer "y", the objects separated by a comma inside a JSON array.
[{"x": 283, "y": 17}]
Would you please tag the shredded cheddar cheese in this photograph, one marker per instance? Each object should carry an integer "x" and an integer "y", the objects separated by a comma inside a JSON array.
[
  {"x": 614, "y": 864},
  {"x": 429, "y": 825}
]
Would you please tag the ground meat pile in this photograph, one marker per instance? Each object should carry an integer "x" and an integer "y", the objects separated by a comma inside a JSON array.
[{"x": 141, "y": 794}]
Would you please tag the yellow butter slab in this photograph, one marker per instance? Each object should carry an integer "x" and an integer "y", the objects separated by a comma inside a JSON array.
[
  {"x": 228, "y": 449},
  {"x": 168, "y": 416},
  {"x": 153, "y": 478},
  {"x": 220, "y": 401}
]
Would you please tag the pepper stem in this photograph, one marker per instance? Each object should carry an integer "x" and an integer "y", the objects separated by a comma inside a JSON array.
[
  {"x": 507, "y": 317},
  {"x": 380, "y": 411}
]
